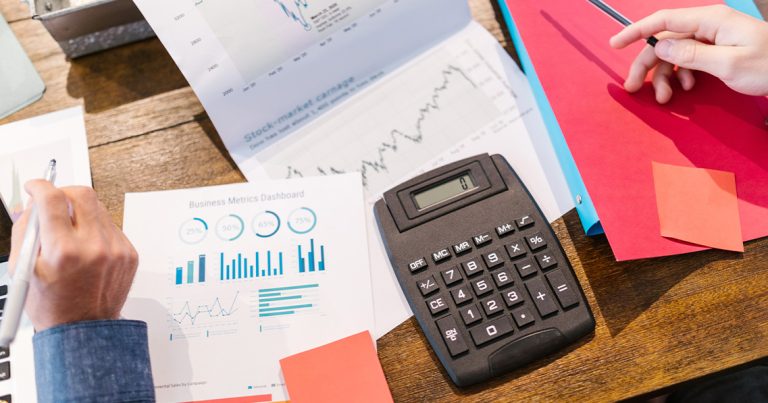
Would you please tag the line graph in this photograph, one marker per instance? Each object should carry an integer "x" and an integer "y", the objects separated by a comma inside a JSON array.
[
  {"x": 259, "y": 35},
  {"x": 214, "y": 310},
  {"x": 297, "y": 14},
  {"x": 397, "y": 126},
  {"x": 391, "y": 145}
]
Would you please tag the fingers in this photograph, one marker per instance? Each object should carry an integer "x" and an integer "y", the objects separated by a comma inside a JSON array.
[
  {"x": 686, "y": 78},
  {"x": 639, "y": 69},
  {"x": 703, "y": 22},
  {"x": 661, "y": 83},
  {"x": 694, "y": 55},
  {"x": 52, "y": 209}
]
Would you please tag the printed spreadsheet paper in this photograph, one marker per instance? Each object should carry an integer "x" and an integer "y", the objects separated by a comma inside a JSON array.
[
  {"x": 319, "y": 87},
  {"x": 233, "y": 278}
]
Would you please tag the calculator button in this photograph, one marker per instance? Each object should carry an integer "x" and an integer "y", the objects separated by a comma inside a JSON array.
[
  {"x": 512, "y": 297},
  {"x": 5, "y": 352},
  {"x": 473, "y": 266},
  {"x": 482, "y": 286},
  {"x": 451, "y": 335},
  {"x": 5, "y": 370},
  {"x": 492, "y": 305},
  {"x": 546, "y": 260},
  {"x": 535, "y": 241},
  {"x": 565, "y": 294},
  {"x": 516, "y": 249},
  {"x": 492, "y": 330},
  {"x": 6, "y": 399},
  {"x": 502, "y": 278},
  {"x": 542, "y": 298},
  {"x": 462, "y": 247},
  {"x": 522, "y": 317},
  {"x": 417, "y": 265},
  {"x": 461, "y": 295},
  {"x": 482, "y": 239},
  {"x": 525, "y": 267},
  {"x": 524, "y": 222},
  {"x": 3, "y": 290},
  {"x": 493, "y": 259},
  {"x": 437, "y": 304},
  {"x": 505, "y": 229},
  {"x": 427, "y": 286},
  {"x": 441, "y": 255},
  {"x": 451, "y": 276},
  {"x": 470, "y": 314}
]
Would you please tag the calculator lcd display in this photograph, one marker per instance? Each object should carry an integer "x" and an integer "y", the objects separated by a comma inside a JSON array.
[{"x": 444, "y": 191}]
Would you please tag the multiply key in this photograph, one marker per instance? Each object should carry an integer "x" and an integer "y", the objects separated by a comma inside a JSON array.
[{"x": 516, "y": 249}]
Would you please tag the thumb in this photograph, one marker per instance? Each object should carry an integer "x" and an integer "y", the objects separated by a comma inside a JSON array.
[{"x": 694, "y": 55}]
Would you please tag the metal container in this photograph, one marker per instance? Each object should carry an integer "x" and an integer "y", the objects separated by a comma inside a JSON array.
[{"x": 82, "y": 27}]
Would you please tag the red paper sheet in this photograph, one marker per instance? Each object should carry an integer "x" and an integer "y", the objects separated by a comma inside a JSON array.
[
  {"x": 347, "y": 370},
  {"x": 614, "y": 136},
  {"x": 698, "y": 205}
]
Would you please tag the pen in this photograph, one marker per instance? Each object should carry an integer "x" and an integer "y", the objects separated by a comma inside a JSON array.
[
  {"x": 25, "y": 265},
  {"x": 618, "y": 17}
]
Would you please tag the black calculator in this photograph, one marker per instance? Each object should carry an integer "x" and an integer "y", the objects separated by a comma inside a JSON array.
[{"x": 481, "y": 268}]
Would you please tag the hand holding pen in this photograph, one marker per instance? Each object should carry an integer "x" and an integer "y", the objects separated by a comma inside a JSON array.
[
  {"x": 718, "y": 40},
  {"x": 85, "y": 265}
]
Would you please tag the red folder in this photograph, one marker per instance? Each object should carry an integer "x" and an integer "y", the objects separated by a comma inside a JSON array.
[{"x": 615, "y": 136}]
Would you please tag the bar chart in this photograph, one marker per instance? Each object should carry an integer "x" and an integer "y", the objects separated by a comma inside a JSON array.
[
  {"x": 288, "y": 300},
  {"x": 312, "y": 261},
  {"x": 249, "y": 266},
  {"x": 186, "y": 274}
]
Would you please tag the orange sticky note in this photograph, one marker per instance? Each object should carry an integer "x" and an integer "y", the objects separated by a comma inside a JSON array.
[
  {"x": 347, "y": 370},
  {"x": 698, "y": 205}
]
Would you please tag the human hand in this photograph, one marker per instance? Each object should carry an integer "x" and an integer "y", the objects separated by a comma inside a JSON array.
[
  {"x": 716, "y": 39},
  {"x": 86, "y": 265}
]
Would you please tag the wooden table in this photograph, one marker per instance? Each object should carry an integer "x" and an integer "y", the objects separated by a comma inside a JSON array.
[{"x": 659, "y": 322}]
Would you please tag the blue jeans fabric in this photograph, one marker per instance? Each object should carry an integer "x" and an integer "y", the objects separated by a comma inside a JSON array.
[{"x": 94, "y": 361}]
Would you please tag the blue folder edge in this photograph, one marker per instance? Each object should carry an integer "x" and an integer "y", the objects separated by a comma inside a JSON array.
[{"x": 586, "y": 210}]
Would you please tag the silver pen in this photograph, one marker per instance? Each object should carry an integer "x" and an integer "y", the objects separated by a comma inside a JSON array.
[{"x": 25, "y": 265}]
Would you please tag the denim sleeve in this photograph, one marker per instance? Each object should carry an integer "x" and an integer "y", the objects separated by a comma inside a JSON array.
[{"x": 94, "y": 361}]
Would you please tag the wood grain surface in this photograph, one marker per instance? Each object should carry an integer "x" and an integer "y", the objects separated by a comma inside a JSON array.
[{"x": 659, "y": 322}]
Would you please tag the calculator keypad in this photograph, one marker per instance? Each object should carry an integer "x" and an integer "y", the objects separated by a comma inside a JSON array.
[{"x": 521, "y": 284}]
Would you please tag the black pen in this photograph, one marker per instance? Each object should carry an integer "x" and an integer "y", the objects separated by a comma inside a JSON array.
[{"x": 620, "y": 18}]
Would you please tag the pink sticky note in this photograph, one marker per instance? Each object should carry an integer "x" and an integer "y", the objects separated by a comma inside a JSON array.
[
  {"x": 347, "y": 370},
  {"x": 698, "y": 205}
]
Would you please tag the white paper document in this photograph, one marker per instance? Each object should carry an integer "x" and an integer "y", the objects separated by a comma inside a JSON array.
[
  {"x": 390, "y": 89},
  {"x": 28, "y": 145},
  {"x": 233, "y": 278}
]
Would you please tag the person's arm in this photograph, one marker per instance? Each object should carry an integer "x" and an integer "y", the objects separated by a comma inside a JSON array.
[
  {"x": 83, "y": 351},
  {"x": 716, "y": 39}
]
